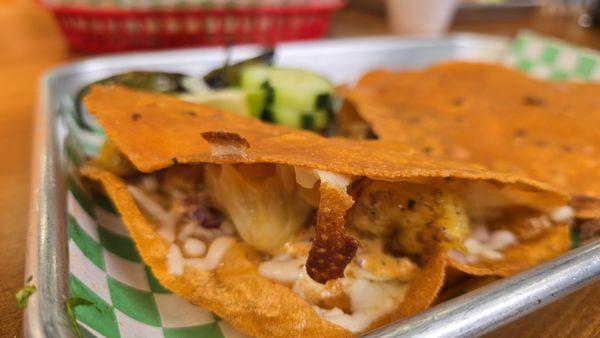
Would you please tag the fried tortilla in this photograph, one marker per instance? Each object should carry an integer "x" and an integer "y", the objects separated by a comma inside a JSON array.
[
  {"x": 286, "y": 233},
  {"x": 491, "y": 115}
]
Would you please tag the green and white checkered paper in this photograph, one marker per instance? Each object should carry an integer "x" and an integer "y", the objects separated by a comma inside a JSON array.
[
  {"x": 552, "y": 59},
  {"x": 106, "y": 269}
]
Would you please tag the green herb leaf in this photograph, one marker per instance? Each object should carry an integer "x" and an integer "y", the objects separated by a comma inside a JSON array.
[
  {"x": 71, "y": 304},
  {"x": 23, "y": 295}
]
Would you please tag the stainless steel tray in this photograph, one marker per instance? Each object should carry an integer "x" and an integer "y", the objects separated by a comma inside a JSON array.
[{"x": 341, "y": 60}]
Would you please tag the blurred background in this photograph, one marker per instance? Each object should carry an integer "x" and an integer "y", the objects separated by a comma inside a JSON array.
[
  {"x": 38, "y": 35},
  {"x": 94, "y": 26}
]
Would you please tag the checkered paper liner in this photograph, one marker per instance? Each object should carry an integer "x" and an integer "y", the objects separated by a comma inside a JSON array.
[
  {"x": 553, "y": 59},
  {"x": 106, "y": 269}
]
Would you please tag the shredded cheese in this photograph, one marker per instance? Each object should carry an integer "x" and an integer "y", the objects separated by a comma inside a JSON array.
[
  {"x": 194, "y": 247},
  {"x": 370, "y": 300},
  {"x": 483, "y": 244},
  {"x": 175, "y": 260},
  {"x": 213, "y": 257},
  {"x": 152, "y": 207},
  {"x": 562, "y": 214}
]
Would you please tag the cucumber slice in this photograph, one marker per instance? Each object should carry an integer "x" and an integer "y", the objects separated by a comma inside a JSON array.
[
  {"x": 290, "y": 96},
  {"x": 267, "y": 115},
  {"x": 315, "y": 120},
  {"x": 253, "y": 77},
  {"x": 287, "y": 117},
  {"x": 307, "y": 121},
  {"x": 232, "y": 100},
  {"x": 322, "y": 119},
  {"x": 256, "y": 102}
]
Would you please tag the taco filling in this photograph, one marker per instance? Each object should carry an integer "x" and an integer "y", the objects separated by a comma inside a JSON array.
[{"x": 202, "y": 210}]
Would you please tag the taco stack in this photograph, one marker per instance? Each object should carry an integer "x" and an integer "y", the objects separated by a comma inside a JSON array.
[{"x": 286, "y": 233}]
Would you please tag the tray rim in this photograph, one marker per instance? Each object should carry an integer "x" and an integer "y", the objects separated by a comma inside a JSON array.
[{"x": 47, "y": 243}]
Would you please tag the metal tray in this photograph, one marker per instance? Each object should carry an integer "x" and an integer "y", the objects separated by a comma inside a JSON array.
[{"x": 341, "y": 60}]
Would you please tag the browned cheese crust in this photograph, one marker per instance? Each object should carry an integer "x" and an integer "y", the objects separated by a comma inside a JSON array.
[
  {"x": 332, "y": 249},
  {"x": 226, "y": 139}
]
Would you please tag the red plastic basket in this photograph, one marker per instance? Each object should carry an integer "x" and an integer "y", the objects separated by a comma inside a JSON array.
[{"x": 110, "y": 30}]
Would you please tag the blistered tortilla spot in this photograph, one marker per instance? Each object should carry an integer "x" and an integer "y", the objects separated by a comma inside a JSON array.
[
  {"x": 234, "y": 291},
  {"x": 225, "y": 138},
  {"x": 226, "y": 145},
  {"x": 552, "y": 243},
  {"x": 332, "y": 249}
]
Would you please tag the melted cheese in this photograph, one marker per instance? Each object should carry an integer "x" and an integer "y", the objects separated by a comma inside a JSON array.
[
  {"x": 152, "y": 207},
  {"x": 194, "y": 247},
  {"x": 369, "y": 300},
  {"x": 307, "y": 178},
  {"x": 213, "y": 257},
  {"x": 355, "y": 301},
  {"x": 563, "y": 214},
  {"x": 375, "y": 282},
  {"x": 483, "y": 244},
  {"x": 373, "y": 263},
  {"x": 175, "y": 260},
  {"x": 282, "y": 268}
]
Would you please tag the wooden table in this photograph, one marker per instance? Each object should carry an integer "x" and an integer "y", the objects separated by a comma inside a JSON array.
[{"x": 30, "y": 43}]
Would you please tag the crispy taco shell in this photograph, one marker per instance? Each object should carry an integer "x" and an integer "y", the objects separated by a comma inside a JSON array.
[
  {"x": 168, "y": 131},
  {"x": 237, "y": 292},
  {"x": 491, "y": 115}
]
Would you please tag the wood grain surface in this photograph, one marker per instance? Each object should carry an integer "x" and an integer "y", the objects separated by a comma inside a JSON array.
[{"x": 30, "y": 43}]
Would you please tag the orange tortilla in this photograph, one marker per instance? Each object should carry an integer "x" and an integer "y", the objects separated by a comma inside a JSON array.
[
  {"x": 494, "y": 116},
  {"x": 168, "y": 131}
]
